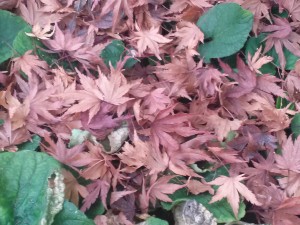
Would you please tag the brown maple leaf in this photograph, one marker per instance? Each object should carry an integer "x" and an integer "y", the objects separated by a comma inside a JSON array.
[
  {"x": 222, "y": 126},
  {"x": 29, "y": 63},
  {"x": 230, "y": 187},
  {"x": 69, "y": 156},
  {"x": 290, "y": 158},
  {"x": 260, "y": 9},
  {"x": 165, "y": 124},
  {"x": 149, "y": 40},
  {"x": 97, "y": 162},
  {"x": 72, "y": 188},
  {"x": 282, "y": 36},
  {"x": 255, "y": 62},
  {"x": 188, "y": 35},
  {"x": 161, "y": 188}
]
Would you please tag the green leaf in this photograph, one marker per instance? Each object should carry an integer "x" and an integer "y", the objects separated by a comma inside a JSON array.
[
  {"x": 155, "y": 221},
  {"x": 70, "y": 215},
  {"x": 22, "y": 43},
  {"x": 295, "y": 125},
  {"x": 226, "y": 28},
  {"x": 30, "y": 145},
  {"x": 25, "y": 196},
  {"x": 10, "y": 26},
  {"x": 114, "y": 52},
  {"x": 96, "y": 209}
]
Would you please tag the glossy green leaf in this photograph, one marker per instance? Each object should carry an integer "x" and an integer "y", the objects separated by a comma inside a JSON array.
[
  {"x": 10, "y": 26},
  {"x": 295, "y": 125},
  {"x": 115, "y": 52},
  {"x": 70, "y": 215},
  {"x": 25, "y": 197},
  {"x": 32, "y": 144},
  {"x": 226, "y": 28},
  {"x": 155, "y": 221}
]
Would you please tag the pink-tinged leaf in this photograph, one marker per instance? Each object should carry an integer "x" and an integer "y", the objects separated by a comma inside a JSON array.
[
  {"x": 222, "y": 126},
  {"x": 97, "y": 189},
  {"x": 164, "y": 125},
  {"x": 116, "y": 195},
  {"x": 290, "y": 158},
  {"x": 255, "y": 62},
  {"x": 161, "y": 188},
  {"x": 71, "y": 157},
  {"x": 230, "y": 187},
  {"x": 149, "y": 40}
]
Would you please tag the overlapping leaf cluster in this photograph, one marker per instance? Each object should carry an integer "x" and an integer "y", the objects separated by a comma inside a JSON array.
[{"x": 141, "y": 98}]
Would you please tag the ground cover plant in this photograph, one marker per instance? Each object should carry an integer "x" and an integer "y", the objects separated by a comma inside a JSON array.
[{"x": 119, "y": 111}]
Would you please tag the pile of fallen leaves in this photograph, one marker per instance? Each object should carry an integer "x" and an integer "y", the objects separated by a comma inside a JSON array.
[{"x": 146, "y": 100}]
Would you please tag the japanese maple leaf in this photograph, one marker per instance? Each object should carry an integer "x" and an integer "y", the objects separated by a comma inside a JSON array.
[
  {"x": 255, "y": 62},
  {"x": 135, "y": 155},
  {"x": 227, "y": 155},
  {"x": 179, "y": 6},
  {"x": 117, "y": 8},
  {"x": 267, "y": 87},
  {"x": 282, "y": 36},
  {"x": 292, "y": 84},
  {"x": 222, "y": 126},
  {"x": 64, "y": 41},
  {"x": 291, "y": 184},
  {"x": 293, "y": 6},
  {"x": 164, "y": 125},
  {"x": 161, "y": 188},
  {"x": 98, "y": 189},
  {"x": 97, "y": 162},
  {"x": 72, "y": 188},
  {"x": 245, "y": 78},
  {"x": 39, "y": 100},
  {"x": 110, "y": 90},
  {"x": 9, "y": 138},
  {"x": 71, "y": 157},
  {"x": 261, "y": 173},
  {"x": 196, "y": 187},
  {"x": 141, "y": 154},
  {"x": 260, "y": 9},
  {"x": 32, "y": 14},
  {"x": 29, "y": 63},
  {"x": 287, "y": 212},
  {"x": 290, "y": 158},
  {"x": 188, "y": 34},
  {"x": 149, "y": 39},
  {"x": 230, "y": 187},
  {"x": 41, "y": 32},
  {"x": 17, "y": 111},
  {"x": 155, "y": 101}
]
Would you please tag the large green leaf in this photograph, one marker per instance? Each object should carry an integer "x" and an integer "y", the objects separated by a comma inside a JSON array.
[
  {"x": 114, "y": 52},
  {"x": 226, "y": 28},
  {"x": 154, "y": 221},
  {"x": 295, "y": 125},
  {"x": 70, "y": 215},
  {"x": 10, "y": 26},
  {"x": 25, "y": 196},
  {"x": 32, "y": 144}
]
